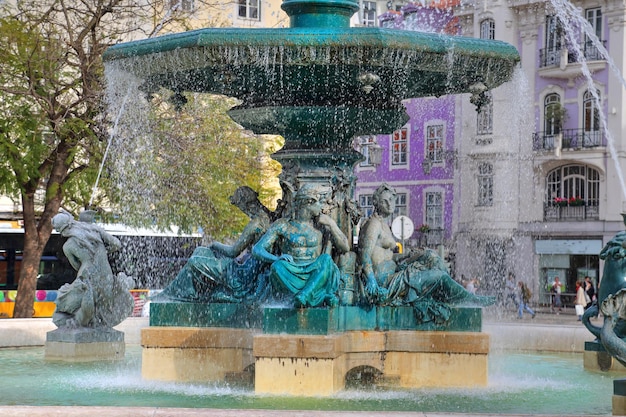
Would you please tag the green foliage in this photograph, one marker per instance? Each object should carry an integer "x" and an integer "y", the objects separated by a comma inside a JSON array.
[{"x": 188, "y": 167}]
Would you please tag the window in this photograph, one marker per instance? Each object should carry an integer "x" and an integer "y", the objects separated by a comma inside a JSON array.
[
  {"x": 399, "y": 147},
  {"x": 434, "y": 143},
  {"x": 573, "y": 182},
  {"x": 434, "y": 210},
  {"x": 591, "y": 119},
  {"x": 484, "y": 122},
  {"x": 590, "y": 50},
  {"x": 364, "y": 143},
  {"x": 594, "y": 17},
  {"x": 552, "y": 114},
  {"x": 400, "y": 205},
  {"x": 182, "y": 5},
  {"x": 366, "y": 204},
  {"x": 485, "y": 184},
  {"x": 553, "y": 41},
  {"x": 249, "y": 9},
  {"x": 488, "y": 29},
  {"x": 369, "y": 13}
]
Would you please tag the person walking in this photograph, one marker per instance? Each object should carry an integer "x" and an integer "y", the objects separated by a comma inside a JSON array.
[
  {"x": 590, "y": 291},
  {"x": 556, "y": 291},
  {"x": 581, "y": 300},
  {"x": 524, "y": 295},
  {"x": 510, "y": 288}
]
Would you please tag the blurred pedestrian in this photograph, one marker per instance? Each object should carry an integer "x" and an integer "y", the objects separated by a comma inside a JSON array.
[
  {"x": 555, "y": 289},
  {"x": 524, "y": 295},
  {"x": 581, "y": 300}
]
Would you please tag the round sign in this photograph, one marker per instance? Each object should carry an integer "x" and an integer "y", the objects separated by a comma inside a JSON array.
[{"x": 402, "y": 227}]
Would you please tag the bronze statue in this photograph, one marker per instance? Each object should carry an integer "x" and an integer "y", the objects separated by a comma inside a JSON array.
[
  {"x": 221, "y": 272},
  {"x": 96, "y": 298},
  {"x": 303, "y": 266},
  {"x": 417, "y": 278}
]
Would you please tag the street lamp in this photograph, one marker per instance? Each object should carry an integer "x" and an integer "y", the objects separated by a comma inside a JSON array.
[
  {"x": 375, "y": 152},
  {"x": 427, "y": 165}
]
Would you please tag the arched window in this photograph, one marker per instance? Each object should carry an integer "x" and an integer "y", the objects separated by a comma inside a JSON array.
[
  {"x": 573, "y": 185},
  {"x": 488, "y": 29},
  {"x": 552, "y": 114},
  {"x": 591, "y": 119}
]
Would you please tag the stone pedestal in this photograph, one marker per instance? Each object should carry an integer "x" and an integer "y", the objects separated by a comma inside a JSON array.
[
  {"x": 619, "y": 397},
  {"x": 596, "y": 358},
  {"x": 196, "y": 354},
  {"x": 84, "y": 345},
  {"x": 312, "y": 352},
  {"x": 317, "y": 365}
]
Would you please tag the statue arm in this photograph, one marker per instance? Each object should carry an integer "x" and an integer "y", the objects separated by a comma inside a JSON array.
[
  {"x": 68, "y": 250},
  {"x": 247, "y": 238},
  {"x": 261, "y": 250},
  {"x": 112, "y": 243},
  {"x": 339, "y": 239}
]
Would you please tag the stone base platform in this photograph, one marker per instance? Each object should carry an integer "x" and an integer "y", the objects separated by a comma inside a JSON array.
[
  {"x": 84, "y": 345},
  {"x": 315, "y": 365},
  {"x": 312, "y": 365},
  {"x": 596, "y": 358},
  {"x": 193, "y": 354}
]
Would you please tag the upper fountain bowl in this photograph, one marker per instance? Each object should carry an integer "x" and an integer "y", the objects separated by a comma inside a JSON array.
[{"x": 319, "y": 62}]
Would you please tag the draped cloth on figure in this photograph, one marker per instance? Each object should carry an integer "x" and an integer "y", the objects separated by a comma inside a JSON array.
[
  {"x": 429, "y": 291},
  {"x": 208, "y": 277},
  {"x": 314, "y": 282}
]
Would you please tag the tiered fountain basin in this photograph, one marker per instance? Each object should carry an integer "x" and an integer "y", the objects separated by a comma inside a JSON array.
[
  {"x": 312, "y": 352},
  {"x": 318, "y": 84}
]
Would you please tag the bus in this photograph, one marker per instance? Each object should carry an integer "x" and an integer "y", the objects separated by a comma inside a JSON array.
[{"x": 152, "y": 258}]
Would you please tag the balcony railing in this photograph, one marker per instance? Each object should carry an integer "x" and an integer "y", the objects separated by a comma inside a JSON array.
[
  {"x": 555, "y": 213},
  {"x": 549, "y": 57},
  {"x": 570, "y": 139}
]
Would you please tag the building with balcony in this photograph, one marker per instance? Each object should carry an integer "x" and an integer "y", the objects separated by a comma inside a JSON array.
[
  {"x": 543, "y": 191},
  {"x": 533, "y": 182}
]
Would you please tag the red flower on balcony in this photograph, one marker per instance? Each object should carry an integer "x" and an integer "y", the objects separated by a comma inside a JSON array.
[
  {"x": 576, "y": 201},
  {"x": 571, "y": 202}
]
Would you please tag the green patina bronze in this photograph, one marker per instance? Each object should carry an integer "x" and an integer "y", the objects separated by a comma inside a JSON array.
[
  {"x": 611, "y": 301},
  {"x": 290, "y": 80}
]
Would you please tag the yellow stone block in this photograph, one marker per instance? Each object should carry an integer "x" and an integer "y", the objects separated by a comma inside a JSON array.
[
  {"x": 300, "y": 377},
  {"x": 421, "y": 369},
  {"x": 619, "y": 405},
  {"x": 193, "y": 364},
  {"x": 191, "y": 354},
  {"x": 84, "y": 352},
  {"x": 601, "y": 361}
]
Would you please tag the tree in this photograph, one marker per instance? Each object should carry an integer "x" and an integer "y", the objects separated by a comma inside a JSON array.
[
  {"x": 150, "y": 182},
  {"x": 53, "y": 130}
]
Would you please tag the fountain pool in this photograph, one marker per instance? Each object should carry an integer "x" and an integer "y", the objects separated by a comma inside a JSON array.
[{"x": 519, "y": 383}]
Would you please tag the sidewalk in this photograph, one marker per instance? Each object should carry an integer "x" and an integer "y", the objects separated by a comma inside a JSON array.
[{"x": 543, "y": 316}]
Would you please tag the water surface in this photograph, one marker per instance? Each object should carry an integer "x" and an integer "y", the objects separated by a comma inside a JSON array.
[{"x": 519, "y": 383}]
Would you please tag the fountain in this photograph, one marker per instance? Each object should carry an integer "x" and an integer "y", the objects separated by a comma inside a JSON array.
[{"x": 318, "y": 83}]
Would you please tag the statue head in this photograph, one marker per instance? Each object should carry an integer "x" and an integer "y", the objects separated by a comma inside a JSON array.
[
  {"x": 307, "y": 193},
  {"x": 62, "y": 221},
  {"x": 243, "y": 196},
  {"x": 378, "y": 194}
]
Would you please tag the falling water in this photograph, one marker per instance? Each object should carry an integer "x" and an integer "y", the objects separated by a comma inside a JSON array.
[
  {"x": 572, "y": 21},
  {"x": 168, "y": 14},
  {"x": 106, "y": 152}
]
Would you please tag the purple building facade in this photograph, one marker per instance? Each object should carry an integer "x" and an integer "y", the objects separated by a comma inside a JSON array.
[{"x": 418, "y": 160}]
